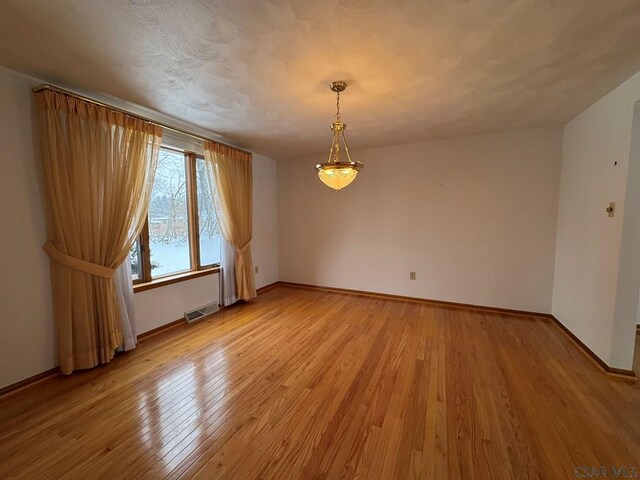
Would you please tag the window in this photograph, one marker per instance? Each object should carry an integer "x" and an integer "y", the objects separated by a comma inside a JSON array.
[{"x": 182, "y": 232}]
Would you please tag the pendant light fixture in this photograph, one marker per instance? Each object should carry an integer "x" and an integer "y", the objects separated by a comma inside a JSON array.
[{"x": 337, "y": 173}]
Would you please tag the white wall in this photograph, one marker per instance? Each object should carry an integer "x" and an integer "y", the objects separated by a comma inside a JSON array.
[
  {"x": 588, "y": 244},
  {"x": 264, "y": 244},
  {"x": 628, "y": 291},
  {"x": 27, "y": 332},
  {"x": 474, "y": 217},
  {"x": 27, "y": 338}
]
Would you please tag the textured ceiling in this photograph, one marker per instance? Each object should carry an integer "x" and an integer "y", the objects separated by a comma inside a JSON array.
[{"x": 257, "y": 72}]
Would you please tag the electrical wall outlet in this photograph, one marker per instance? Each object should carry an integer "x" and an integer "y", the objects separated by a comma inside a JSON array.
[{"x": 412, "y": 275}]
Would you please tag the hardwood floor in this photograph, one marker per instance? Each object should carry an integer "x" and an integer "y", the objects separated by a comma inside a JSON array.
[{"x": 309, "y": 384}]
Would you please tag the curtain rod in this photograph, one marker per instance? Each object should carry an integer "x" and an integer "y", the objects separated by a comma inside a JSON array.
[{"x": 126, "y": 112}]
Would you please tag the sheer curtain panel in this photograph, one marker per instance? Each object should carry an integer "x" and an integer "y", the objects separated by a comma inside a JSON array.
[
  {"x": 228, "y": 262},
  {"x": 124, "y": 298},
  {"x": 98, "y": 169},
  {"x": 231, "y": 171}
]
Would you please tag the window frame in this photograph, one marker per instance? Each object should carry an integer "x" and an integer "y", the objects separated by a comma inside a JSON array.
[{"x": 145, "y": 280}]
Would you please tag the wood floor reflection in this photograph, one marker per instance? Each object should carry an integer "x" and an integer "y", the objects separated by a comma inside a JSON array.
[{"x": 311, "y": 384}]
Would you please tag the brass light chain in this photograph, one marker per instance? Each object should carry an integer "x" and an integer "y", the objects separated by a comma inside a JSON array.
[{"x": 338, "y": 115}]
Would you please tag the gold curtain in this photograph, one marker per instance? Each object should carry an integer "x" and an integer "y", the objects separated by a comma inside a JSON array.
[
  {"x": 98, "y": 169},
  {"x": 230, "y": 169}
]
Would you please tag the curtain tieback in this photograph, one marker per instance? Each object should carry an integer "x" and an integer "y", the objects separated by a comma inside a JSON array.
[
  {"x": 78, "y": 263},
  {"x": 243, "y": 248}
]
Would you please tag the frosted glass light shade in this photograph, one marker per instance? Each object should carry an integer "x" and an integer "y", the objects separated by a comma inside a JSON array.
[{"x": 337, "y": 176}]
